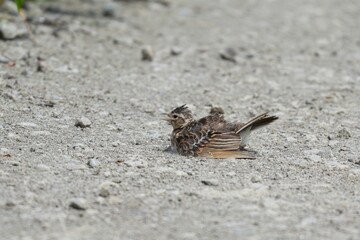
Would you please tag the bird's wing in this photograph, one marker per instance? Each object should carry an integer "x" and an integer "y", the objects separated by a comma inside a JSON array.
[{"x": 220, "y": 145}]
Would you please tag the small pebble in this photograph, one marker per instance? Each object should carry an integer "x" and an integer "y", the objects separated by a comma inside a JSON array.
[
  {"x": 256, "y": 179},
  {"x": 4, "y": 150},
  {"x": 291, "y": 139},
  {"x": 175, "y": 51},
  {"x": 180, "y": 173},
  {"x": 109, "y": 10},
  {"x": 229, "y": 54},
  {"x": 43, "y": 167},
  {"x": 147, "y": 53},
  {"x": 210, "y": 182},
  {"x": 79, "y": 203},
  {"x": 10, "y": 204},
  {"x": 103, "y": 192},
  {"x": 10, "y": 31},
  {"x": 82, "y": 122},
  {"x": 94, "y": 163},
  {"x": 104, "y": 188},
  {"x": 116, "y": 143}
]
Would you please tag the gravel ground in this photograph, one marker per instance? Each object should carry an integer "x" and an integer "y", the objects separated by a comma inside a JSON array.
[{"x": 82, "y": 144}]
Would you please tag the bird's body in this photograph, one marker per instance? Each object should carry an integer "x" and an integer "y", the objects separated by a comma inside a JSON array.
[{"x": 212, "y": 136}]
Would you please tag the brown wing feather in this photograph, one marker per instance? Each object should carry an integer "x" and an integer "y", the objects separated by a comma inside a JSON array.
[
  {"x": 221, "y": 145},
  {"x": 222, "y": 141}
]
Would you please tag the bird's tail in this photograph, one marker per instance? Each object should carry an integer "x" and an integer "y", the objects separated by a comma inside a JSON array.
[{"x": 255, "y": 123}]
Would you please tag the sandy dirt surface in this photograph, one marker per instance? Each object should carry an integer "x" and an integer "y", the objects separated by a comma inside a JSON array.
[{"x": 110, "y": 178}]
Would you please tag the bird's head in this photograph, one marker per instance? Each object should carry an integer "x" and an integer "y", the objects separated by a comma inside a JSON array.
[{"x": 179, "y": 117}]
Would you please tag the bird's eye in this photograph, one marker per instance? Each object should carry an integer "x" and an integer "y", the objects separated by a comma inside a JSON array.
[{"x": 175, "y": 116}]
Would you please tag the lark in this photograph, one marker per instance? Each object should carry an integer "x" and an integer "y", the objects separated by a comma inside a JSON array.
[{"x": 212, "y": 136}]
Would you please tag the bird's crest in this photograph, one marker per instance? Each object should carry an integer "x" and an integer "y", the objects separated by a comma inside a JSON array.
[{"x": 184, "y": 110}]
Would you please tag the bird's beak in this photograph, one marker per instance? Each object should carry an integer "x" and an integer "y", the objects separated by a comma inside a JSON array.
[{"x": 166, "y": 119}]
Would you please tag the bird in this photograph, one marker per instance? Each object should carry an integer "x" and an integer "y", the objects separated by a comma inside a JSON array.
[{"x": 212, "y": 136}]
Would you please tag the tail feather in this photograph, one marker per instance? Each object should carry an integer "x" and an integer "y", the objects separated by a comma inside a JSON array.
[
  {"x": 258, "y": 122},
  {"x": 255, "y": 123}
]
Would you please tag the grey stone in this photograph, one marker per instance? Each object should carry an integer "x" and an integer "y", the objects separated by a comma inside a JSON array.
[
  {"x": 176, "y": 51},
  {"x": 10, "y": 31},
  {"x": 43, "y": 167},
  {"x": 181, "y": 173},
  {"x": 79, "y": 203},
  {"x": 109, "y": 10},
  {"x": 105, "y": 187},
  {"x": 93, "y": 163},
  {"x": 256, "y": 179},
  {"x": 4, "y": 150},
  {"x": 291, "y": 139},
  {"x": 210, "y": 182},
  {"x": 116, "y": 143},
  {"x": 9, "y": 7},
  {"x": 147, "y": 53},
  {"x": 103, "y": 192},
  {"x": 229, "y": 54},
  {"x": 83, "y": 122},
  {"x": 311, "y": 138}
]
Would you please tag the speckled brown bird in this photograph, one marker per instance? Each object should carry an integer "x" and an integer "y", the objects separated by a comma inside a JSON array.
[{"x": 212, "y": 136}]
